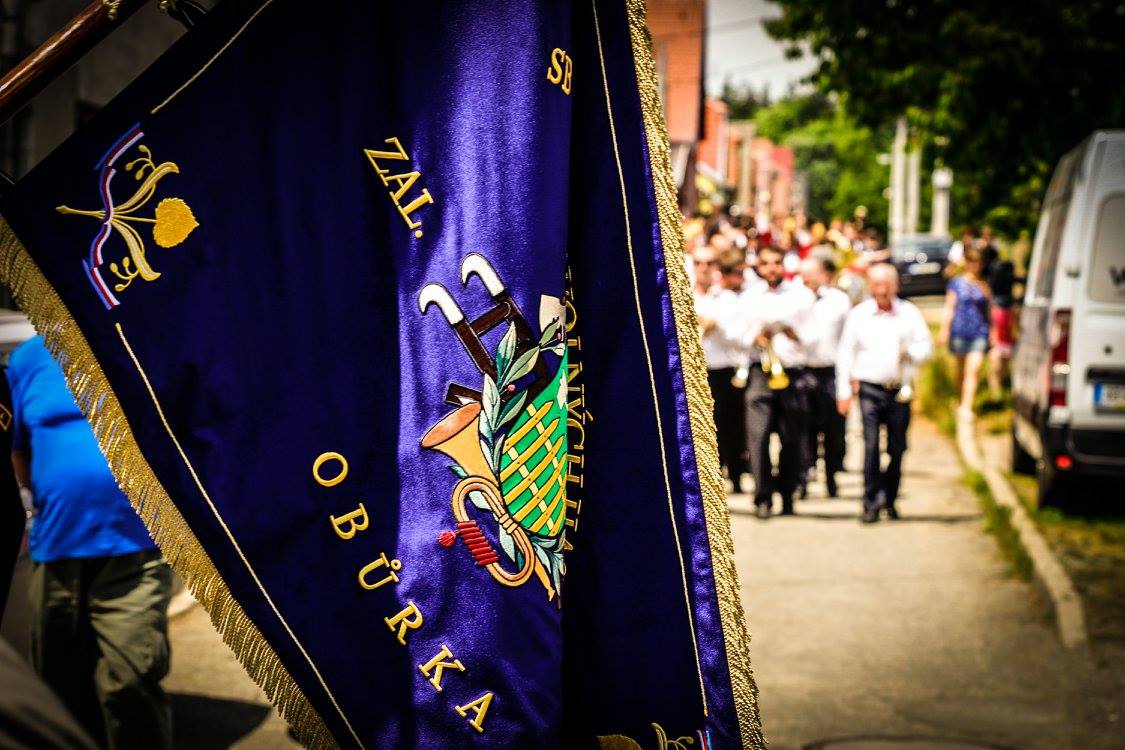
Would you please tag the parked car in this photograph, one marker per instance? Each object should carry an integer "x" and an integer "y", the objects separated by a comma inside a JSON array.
[
  {"x": 1068, "y": 372},
  {"x": 920, "y": 260}
]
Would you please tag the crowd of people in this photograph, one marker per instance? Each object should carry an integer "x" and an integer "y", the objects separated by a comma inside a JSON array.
[{"x": 799, "y": 323}]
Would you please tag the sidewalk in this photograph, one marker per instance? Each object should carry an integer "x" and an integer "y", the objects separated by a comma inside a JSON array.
[{"x": 910, "y": 628}]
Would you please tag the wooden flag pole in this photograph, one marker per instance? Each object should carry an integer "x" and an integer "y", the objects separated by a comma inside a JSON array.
[{"x": 65, "y": 47}]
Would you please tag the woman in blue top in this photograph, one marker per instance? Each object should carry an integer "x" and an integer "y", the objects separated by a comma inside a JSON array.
[{"x": 964, "y": 327}]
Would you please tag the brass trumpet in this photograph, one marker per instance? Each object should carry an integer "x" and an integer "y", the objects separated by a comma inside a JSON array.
[{"x": 771, "y": 365}]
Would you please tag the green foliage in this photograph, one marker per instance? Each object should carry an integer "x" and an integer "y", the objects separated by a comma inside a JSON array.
[
  {"x": 998, "y": 523},
  {"x": 838, "y": 156},
  {"x": 999, "y": 90},
  {"x": 742, "y": 102}
]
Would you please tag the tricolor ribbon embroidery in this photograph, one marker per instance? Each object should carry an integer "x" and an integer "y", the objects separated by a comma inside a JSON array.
[{"x": 172, "y": 219}]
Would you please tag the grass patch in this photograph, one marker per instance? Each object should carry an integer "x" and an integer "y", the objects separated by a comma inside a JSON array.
[
  {"x": 937, "y": 393},
  {"x": 1089, "y": 538},
  {"x": 998, "y": 523}
]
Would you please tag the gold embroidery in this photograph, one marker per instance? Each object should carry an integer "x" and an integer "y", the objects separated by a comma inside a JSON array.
[
  {"x": 324, "y": 458},
  {"x": 350, "y": 519},
  {"x": 410, "y": 618},
  {"x": 172, "y": 220},
  {"x": 438, "y": 663},
  {"x": 479, "y": 707},
  {"x": 561, "y": 70},
  {"x": 380, "y": 562},
  {"x": 647, "y": 350},
  {"x": 716, "y": 514},
  {"x": 91, "y": 390}
]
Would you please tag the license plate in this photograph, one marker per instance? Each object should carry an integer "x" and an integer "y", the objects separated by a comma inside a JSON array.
[
  {"x": 919, "y": 269},
  {"x": 1109, "y": 396}
]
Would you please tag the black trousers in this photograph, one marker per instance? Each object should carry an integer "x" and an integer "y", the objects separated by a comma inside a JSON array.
[
  {"x": 730, "y": 422},
  {"x": 787, "y": 412},
  {"x": 879, "y": 408},
  {"x": 825, "y": 420}
]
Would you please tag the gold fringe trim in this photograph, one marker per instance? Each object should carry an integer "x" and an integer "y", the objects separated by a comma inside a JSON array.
[
  {"x": 92, "y": 392},
  {"x": 700, "y": 404}
]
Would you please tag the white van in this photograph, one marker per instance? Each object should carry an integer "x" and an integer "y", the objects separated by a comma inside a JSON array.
[{"x": 1068, "y": 371}]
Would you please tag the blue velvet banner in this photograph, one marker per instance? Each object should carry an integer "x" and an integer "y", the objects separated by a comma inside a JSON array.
[{"x": 369, "y": 307}]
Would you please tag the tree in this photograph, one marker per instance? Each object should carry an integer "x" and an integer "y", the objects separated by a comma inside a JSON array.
[
  {"x": 838, "y": 156},
  {"x": 999, "y": 90},
  {"x": 743, "y": 102}
]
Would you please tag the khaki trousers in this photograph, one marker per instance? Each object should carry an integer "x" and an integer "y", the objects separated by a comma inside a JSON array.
[{"x": 100, "y": 640}]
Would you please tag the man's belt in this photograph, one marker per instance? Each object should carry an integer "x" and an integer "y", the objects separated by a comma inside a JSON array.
[{"x": 891, "y": 387}]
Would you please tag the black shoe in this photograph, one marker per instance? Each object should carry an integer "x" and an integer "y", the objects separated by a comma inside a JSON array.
[
  {"x": 833, "y": 490},
  {"x": 870, "y": 515},
  {"x": 892, "y": 514},
  {"x": 762, "y": 511},
  {"x": 787, "y": 508}
]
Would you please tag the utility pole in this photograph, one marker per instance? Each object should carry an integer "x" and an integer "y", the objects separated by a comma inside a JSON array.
[
  {"x": 898, "y": 181},
  {"x": 913, "y": 169},
  {"x": 942, "y": 181}
]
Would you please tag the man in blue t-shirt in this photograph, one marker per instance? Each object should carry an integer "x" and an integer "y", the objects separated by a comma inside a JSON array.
[{"x": 99, "y": 586}]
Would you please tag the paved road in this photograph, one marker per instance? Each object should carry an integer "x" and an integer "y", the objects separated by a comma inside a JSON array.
[
  {"x": 910, "y": 628},
  {"x": 214, "y": 704}
]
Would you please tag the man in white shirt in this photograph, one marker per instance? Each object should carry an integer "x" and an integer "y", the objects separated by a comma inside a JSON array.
[
  {"x": 831, "y": 308},
  {"x": 881, "y": 335},
  {"x": 716, "y": 310},
  {"x": 776, "y": 321}
]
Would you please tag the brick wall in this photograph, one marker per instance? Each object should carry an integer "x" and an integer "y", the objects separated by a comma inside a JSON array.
[{"x": 677, "y": 36}]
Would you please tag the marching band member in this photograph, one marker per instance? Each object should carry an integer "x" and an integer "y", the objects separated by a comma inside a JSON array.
[
  {"x": 776, "y": 325},
  {"x": 882, "y": 336},
  {"x": 715, "y": 307},
  {"x": 831, "y": 307}
]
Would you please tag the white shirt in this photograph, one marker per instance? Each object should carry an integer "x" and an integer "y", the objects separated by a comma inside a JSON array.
[
  {"x": 720, "y": 349},
  {"x": 875, "y": 342},
  {"x": 764, "y": 307},
  {"x": 831, "y": 308}
]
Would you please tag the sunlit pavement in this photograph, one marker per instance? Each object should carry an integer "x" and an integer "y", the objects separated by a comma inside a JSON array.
[{"x": 909, "y": 628}]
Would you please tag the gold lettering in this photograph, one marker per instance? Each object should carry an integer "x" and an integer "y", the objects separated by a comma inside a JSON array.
[
  {"x": 380, "y": 562},
  {"x": 571, "y": 460},
  {"x": 566, "y": 78},
  {"x": 578, "y": 426},
  {"x": 555, "y": 72},
  {"x": 350, "y": 520},
  {"x": 574, "y": 406},
  {"x": 404, "y": 181},
  {"x": 438, "y": 664},
  {"x": 399, "y": 154},
  {"x": 413, "y": 206},
  {"x": 479, "y": 707},
  {"x": 572, "y": 371},
  {"x": 408, "y": 619},
  {"x": 571, "y": 313},
  {"x": 324, "y": 458}
]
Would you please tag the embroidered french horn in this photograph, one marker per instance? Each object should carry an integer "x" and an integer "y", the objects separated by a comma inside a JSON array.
[{"x": 458, "y": 436}]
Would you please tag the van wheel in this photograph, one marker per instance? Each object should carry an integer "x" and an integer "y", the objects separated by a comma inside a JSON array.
[
  {"x": 1054, "y": 488},
  {"x": 1022, "y": 461}
]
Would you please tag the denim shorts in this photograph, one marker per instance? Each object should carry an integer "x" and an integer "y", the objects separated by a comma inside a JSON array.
[{"x": 962, "y": 346}]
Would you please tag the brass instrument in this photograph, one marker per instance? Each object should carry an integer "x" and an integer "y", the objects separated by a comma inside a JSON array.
[
  {"x": 741, "y": 375},
  {"x": 458, "y": 436},
  {"x": 771, "y": 365},
  {"x": 906, "y": 370}
]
